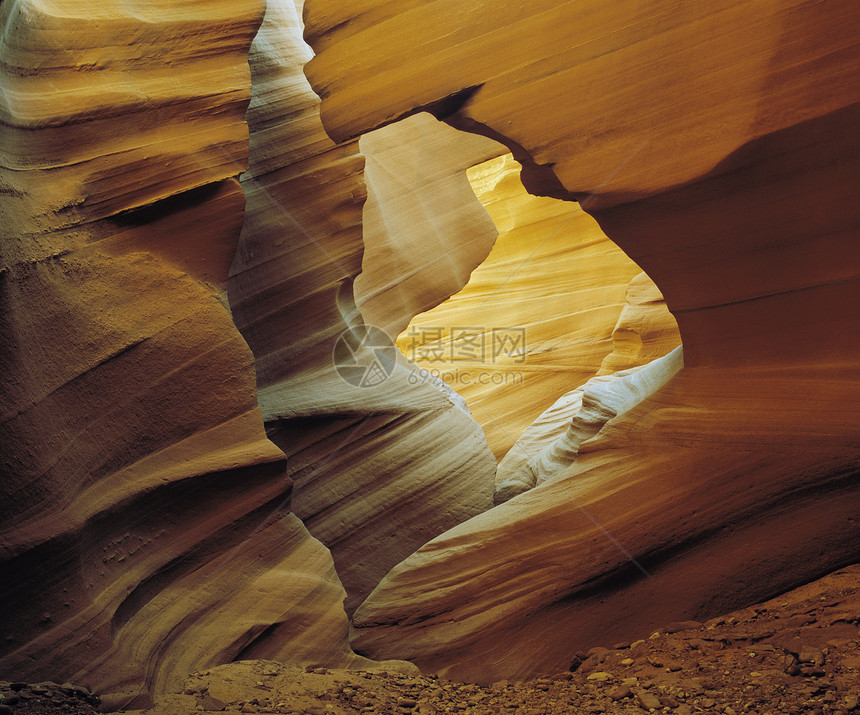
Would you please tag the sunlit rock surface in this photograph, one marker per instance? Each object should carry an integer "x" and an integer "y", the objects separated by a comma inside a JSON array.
[
  {"x": 381, "y": 462},
  {"x": 716, "y": 145},
  {"x": 423, "y": 230},
  {"x": 539, "y": 316},
  {"x": 645, "y": 330},
  {"x": 146, "y": 527},
  {"x": 551, "y": 445}
]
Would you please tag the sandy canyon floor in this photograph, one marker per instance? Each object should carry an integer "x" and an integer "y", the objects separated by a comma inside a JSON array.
[{"x": 797, "y": 654}]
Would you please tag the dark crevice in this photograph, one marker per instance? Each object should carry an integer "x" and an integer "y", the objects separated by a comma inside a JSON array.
[
  {"x": 150, "y": 213},
  {"x": 452, "y": 104},
  {"x": 253, "y": 639}
]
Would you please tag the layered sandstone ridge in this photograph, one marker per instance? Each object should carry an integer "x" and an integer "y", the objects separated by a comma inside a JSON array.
[
  {"x": 657, "y": 519},
  {"x": 690, "y": 133},
  {"x": 380, "y": 462}
]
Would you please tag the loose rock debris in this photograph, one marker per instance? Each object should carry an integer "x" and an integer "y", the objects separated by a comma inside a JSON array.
[{"x": 798, "y": 654}]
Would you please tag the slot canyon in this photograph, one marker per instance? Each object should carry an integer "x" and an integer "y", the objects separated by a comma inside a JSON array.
[{"x": 430, "y": 356}]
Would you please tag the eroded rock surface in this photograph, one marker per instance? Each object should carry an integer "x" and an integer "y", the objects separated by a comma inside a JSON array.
[
  {"x": 688, "y": 132},
  {"x": 645, "y": 330},
  {"x": 423, "y": 230},
  {"x": 540, "y": 314},
  {"x": 551, "y": 445},
  {"x": 129, "y": 416},
  {"x": 145, "y": 514},
  {"x": 145, "y": 528},
  {"x": 381, "y": 462}
]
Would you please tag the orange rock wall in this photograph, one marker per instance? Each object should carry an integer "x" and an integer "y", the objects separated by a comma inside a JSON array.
[
  {"x": 144, "y": 526},
  {"x": 714, "y": 144},
  {"x": 128, "y": 400}
]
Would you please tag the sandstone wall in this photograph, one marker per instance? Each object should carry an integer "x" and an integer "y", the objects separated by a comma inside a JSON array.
[
  {"x": 714, "y": 144},
  {"x": 144, "y": 526},
  {"x": 423, "y": 230},
  {"x": 379, "y": 467},
  {"x": 541, "y": 314}
]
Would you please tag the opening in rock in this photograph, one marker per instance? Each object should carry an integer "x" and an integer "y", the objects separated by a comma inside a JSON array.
[{"x": 554, "y": 304}]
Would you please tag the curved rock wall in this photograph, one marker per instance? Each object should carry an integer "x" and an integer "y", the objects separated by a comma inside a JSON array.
[
  {"x": 548, "y": 448},
  {"x": 128, "y": 395},
  {"x": 144, "y": 526},
  {"x": 682, "y": 107},
  {"x": 424, "y": 232},
  {"x": 145, "y": 521},
  {"x": 690, "y": 132},
  {"x": 382, "y": 466},
  {"x": 645, "y": 330}
]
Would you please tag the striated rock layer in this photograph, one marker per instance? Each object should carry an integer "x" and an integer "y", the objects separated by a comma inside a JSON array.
[
  {"x": 423, "y": 230},
  {"x": 381, "y": 462},
  {"x": 131, "y": 444},
  {"x": 645, "y": 330},
  {"x": 144, "y": 526},
  {"x": 550, "y": 446},
  {"x": 716, "y": 145},
  {"x": 537, "y": 315}
]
